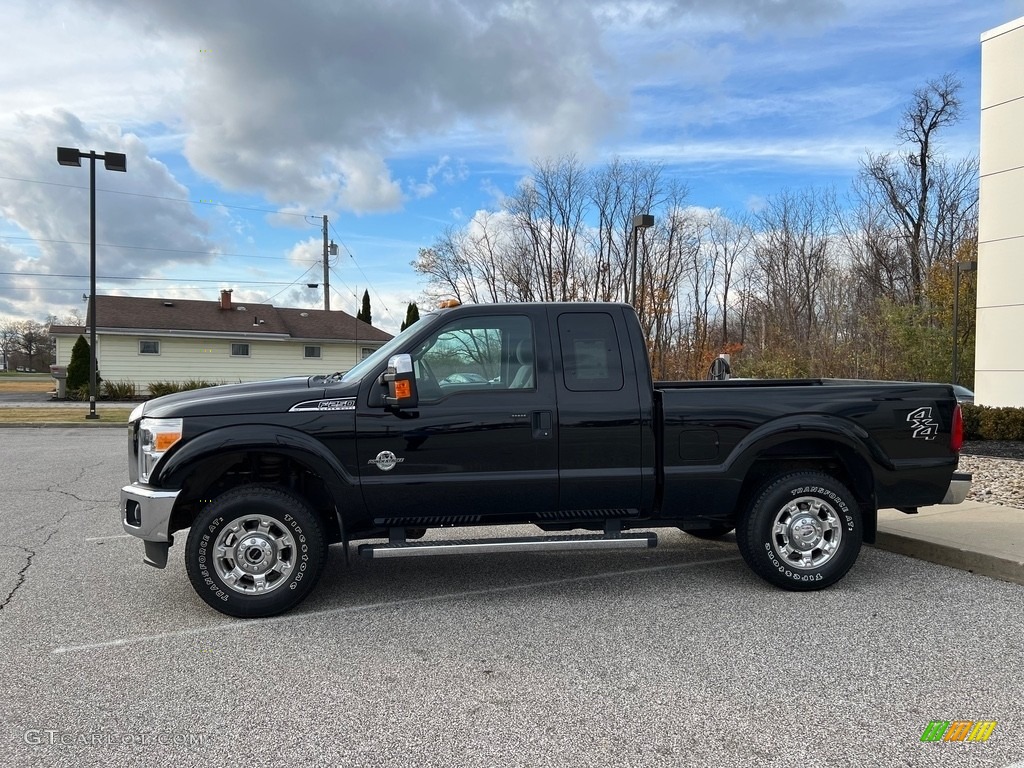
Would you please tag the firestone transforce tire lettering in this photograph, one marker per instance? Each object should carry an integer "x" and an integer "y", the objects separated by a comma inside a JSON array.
[
  {"x": 255, "y": 551},
  {"x": 802, "y": 532}
]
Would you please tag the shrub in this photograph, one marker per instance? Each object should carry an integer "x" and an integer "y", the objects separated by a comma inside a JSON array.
[
  {"x": 78, "y": 367},
  {"x": 160, "y": 388},
  {"x": 982, "y": 422},
  {"x": 79, "y": 393},
  {"x": 197, "y": 384},
  {"x": 972, "y": 421},
  {"x": 1002, "y": 423},
  {"x": 119, "y": 390}
]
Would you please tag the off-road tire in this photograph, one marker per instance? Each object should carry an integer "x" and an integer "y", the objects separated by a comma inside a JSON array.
[
  {"x": 803, "y": 531},
  {"x": 255, "y": 550}
]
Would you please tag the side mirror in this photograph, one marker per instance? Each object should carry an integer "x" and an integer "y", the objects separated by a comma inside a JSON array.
[{"x": 401, "y": 383}]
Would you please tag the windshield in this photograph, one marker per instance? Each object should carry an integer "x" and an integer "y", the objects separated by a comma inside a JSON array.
[{"x": 381, "y": 355}]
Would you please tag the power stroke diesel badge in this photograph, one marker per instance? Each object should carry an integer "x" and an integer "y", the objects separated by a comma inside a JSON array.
[{"x": 385, "y": 461}]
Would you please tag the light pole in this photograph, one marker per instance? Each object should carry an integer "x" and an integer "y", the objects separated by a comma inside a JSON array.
[
  {"x": 640, "y": 221},
  {"x": 112, "y": 161},
  {"x": 961, "y": 266}
]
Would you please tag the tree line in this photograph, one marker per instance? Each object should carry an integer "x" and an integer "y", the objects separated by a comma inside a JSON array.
[{"x": 813, "y": 283}]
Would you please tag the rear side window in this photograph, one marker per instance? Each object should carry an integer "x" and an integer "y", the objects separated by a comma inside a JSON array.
[{"x": 591, "y": 361}]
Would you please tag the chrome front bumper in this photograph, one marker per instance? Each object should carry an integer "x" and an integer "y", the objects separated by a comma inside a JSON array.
[
  {"x": 958, "y": 489},
  {"x": 146, "y": 513}
]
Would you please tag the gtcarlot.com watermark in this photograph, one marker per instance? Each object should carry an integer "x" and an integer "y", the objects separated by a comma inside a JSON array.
[{"x": 51, "y": 737}]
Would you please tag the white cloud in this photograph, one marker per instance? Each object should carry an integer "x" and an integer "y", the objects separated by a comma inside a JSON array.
[
  {"x": 54, "y": 211},
  {"x": 66, "y": 56},
  {"x": 278, "y": 99},
  {"x": 368, "y": 186}
]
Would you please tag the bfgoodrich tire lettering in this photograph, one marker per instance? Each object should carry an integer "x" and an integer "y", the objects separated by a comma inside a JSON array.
[
  {"x": 256, "y": 550},
  {"x": 802, "y": 532}
]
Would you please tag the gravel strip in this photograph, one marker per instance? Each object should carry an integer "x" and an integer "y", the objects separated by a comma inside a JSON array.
[{"x": 998, "y": 472}]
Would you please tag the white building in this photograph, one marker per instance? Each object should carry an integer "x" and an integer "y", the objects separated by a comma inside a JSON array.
[
  {"x": 999, "y": 353},
  {"x": 145, "y": 340}
]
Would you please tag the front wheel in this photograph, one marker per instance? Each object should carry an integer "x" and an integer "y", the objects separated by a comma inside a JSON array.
[
  {"x": 255, "y": 551},
  {"x": 802, "y": 532}
]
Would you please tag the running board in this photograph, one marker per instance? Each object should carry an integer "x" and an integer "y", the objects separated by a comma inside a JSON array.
[{"x": 525, "y": 544}]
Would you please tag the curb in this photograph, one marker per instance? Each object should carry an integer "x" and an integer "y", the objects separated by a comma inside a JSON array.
[
  {"x": 995, "y": 567},
  {"x": 63, "y": 424}
]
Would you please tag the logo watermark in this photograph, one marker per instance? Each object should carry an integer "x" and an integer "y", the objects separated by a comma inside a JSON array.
[
  {"x": 958, "y": 730},
  {"x": 51, "y": 737}
]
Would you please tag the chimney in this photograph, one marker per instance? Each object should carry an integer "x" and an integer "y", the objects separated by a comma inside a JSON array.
[{"x": 225, "y": 298}]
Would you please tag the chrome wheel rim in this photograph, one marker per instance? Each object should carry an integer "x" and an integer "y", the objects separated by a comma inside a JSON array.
[
  {"x": 254, "y": 554},
  {"x": 807, "y": 533}
]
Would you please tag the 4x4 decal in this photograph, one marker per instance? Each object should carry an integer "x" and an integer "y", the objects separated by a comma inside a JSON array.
[{"x": 923, "y": 424}]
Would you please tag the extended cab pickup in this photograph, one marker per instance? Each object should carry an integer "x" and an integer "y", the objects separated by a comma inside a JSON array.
[{"x": 525, "y": 413}]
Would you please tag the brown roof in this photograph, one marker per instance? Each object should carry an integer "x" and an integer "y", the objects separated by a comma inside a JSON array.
[{"x": 145, "y": 315}]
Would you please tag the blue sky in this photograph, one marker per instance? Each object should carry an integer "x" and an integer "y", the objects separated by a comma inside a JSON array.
[{"x": 398, "y": 118}]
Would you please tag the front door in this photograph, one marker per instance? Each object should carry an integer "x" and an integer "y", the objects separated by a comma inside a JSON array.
[{"x": 481, "y": 446}]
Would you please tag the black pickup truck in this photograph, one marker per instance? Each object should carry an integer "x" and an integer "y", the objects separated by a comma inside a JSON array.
[{"x": 544, "y": 414}]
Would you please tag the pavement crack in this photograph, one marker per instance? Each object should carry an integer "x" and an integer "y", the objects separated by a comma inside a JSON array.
[{"x": 30, "y": 555}]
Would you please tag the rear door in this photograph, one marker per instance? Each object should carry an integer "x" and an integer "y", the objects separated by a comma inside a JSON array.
[
  {"x": 601, "y": 458},
  {"x": 482, "y": 445}
]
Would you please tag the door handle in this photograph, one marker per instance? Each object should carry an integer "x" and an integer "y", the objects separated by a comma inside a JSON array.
[{"x": 541, "y": 425}]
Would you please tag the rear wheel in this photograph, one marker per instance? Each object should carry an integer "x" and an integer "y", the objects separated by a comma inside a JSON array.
[
  {"x": 802, "y": 532},
  {"x": 256, "y": 550}
]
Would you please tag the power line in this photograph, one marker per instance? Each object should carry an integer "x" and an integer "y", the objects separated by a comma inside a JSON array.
[
  {"x": 150, "y": 279},
  {"x": 290, "y": 284},
  {"x": 161, "y": 250},
  {"x": 370, "y": 284},
  {"x": 156, "y": 197},
  {"x": 352, "y": 292}
]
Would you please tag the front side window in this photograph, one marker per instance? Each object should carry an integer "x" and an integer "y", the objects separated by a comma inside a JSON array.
[
  {"x": 239, "y": 350},
  {"x": 477, "y": 354},
  {"x": 149, "y": 347}
]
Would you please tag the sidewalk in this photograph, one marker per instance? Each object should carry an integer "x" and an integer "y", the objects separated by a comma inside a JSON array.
[{"x": 981, "y": 538}]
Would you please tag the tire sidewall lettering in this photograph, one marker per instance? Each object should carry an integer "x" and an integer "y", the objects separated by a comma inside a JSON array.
[
  {"x": 308, "y": 540},
  {"x": 849, "y": 525}
]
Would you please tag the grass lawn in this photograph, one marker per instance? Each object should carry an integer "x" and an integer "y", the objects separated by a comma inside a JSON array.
[
  {"x": 51, "y": 415},
  {"x": 22, "y": 383}
]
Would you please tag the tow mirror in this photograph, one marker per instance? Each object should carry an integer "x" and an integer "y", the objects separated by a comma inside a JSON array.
[{"x": 401, "y": 383}]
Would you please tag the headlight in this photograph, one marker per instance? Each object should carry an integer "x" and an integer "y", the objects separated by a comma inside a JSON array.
[{"x": 156, "y": 437}]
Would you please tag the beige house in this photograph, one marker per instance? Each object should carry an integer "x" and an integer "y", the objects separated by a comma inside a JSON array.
[
  {"x": 148, "y": 340},
  {"x": 999, "y": 352}
]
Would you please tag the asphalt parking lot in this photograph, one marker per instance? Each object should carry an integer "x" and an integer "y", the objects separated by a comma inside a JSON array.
[{"x": 668, "y": 657}]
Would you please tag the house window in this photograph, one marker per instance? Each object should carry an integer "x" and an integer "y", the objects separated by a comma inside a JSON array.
[
  {"x": 311, "y": 350},
  {"x": 365, "y": 352},
  {"x": 148, "y": 347},
  {"x": 239, "y": 350}
]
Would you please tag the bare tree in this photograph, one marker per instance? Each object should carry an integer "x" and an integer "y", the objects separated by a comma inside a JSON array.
[
  {"x": 730, "y": 242},
  {"x": 32, "y": 339},
  {"x": 9, "y": 334},
  {"x": 903, "y": 185},
  {"x": 548, "y": 211}
]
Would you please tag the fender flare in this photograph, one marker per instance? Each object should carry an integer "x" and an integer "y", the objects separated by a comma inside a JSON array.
[
  {"x": 177, "y": 465},
  {"x": 815, "y": 426}
]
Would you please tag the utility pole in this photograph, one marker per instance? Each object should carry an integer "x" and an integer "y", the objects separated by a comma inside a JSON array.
[{"x": 327, "y": 279}]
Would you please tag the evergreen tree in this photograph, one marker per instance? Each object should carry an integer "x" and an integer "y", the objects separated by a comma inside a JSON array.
[
  {"x": 78, "y": 368},
  {"x": 412, "y": 314},
  {"x": 364, "y": 313}
]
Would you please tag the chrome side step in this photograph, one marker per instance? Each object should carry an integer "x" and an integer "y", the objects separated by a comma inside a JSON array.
[{"x": 525, "y": 544}]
